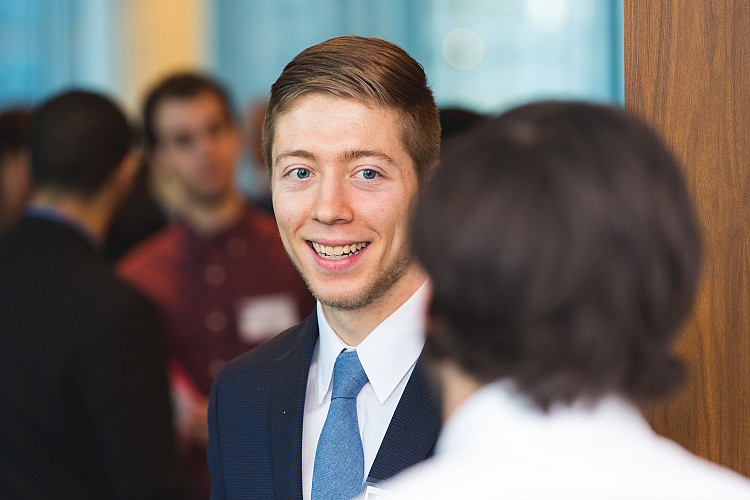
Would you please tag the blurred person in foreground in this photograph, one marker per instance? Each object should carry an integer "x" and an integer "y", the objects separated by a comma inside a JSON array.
[
  {"x": 454, "y": 121},
  {"x": 564, "y": 254},
  {"x": 218, "y": 273},
  {"x": 85, "y": 401},
  {"x": 342, "y": 399},
  {"x": 15, "y": 171}
]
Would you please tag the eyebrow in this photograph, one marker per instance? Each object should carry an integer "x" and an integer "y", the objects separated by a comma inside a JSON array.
[
  {"x": 297, "y": 153},
  {"x": 347, "y": 156},
  {"x": 356, "y": 154}
]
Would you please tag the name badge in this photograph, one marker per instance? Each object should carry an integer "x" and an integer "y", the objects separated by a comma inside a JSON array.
[{"x": 260, "y": 318}]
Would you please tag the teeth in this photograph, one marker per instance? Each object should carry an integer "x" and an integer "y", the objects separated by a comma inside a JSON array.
[{"x": 337, "y": 252}]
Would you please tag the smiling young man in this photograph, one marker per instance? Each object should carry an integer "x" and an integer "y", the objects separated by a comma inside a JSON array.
[{"x": 351, "y": 132}]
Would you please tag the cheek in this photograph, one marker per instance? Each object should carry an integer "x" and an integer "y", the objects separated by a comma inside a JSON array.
[
  {"x": 289, "y": 210},
  {"x": 390, "y": 212},
  {"x": 181, "y": 162},
  {"x": 231, "y": 148},
  {"x": 286, "y": 229}
]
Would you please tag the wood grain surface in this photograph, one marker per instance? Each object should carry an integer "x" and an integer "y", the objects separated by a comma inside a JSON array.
[{"x": 687, "y": 71}]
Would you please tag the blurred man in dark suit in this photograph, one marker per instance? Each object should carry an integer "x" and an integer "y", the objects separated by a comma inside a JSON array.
[{"x": 85, "y": 406}]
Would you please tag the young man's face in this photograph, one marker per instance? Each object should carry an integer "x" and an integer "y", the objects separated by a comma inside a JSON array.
[
  {"x": 343, "y": 191},
  {"x": 197, "y": 145}
]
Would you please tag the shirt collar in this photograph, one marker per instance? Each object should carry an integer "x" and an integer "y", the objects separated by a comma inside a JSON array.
[
  {"x": 388, "y": 352},
  {"x": 60, "y": 216},
  {"x": 194, "y": 243}
]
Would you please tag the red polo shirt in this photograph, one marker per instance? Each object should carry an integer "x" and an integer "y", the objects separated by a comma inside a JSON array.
[{"x": 220, "y": 296}]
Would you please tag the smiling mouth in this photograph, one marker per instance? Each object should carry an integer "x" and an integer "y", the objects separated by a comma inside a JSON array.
[{"x": 337, "y": 252}]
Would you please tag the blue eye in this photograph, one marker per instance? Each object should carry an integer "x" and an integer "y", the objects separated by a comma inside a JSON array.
[
  {"x": 301, "y": 173},
  {"x": 369, "y": 174}
]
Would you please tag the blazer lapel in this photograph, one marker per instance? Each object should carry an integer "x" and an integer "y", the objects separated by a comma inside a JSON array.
[
  {"x": 413, "y": 430},
  {"x": 286, "y": 410}
]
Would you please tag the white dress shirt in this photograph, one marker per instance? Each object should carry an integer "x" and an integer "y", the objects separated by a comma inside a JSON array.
[
  {"x": 388, "y": 356},
  {"x": 497, "y": 445}
]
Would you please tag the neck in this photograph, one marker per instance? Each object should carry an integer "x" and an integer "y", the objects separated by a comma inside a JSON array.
[
  {"x": 94, "y": 214},
  {"x": 456, "y": 386},
  {"x": 354, "y": 325},
  {"x": 208, "y": 219}
]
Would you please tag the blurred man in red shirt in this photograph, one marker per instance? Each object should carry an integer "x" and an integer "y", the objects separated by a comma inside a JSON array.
[{"x": 219, "y": 272}]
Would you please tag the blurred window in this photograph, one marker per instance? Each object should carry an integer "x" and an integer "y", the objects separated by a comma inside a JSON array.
[{"x": 480, "y": 54}]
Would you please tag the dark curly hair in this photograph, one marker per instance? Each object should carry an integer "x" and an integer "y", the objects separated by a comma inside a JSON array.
[{"x": 564, "y": 253}]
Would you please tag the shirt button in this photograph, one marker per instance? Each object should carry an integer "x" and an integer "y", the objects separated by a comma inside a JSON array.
[
  {"x": 214, "y": 275},
  {"x": 236, "y": 247},
  {"x": 216, "y": 321}
]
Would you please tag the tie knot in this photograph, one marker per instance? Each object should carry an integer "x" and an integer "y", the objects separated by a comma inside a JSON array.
[{"x": 348, "y": 376}]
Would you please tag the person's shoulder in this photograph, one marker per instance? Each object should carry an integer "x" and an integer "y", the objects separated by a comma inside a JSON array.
[
  {"x": 261, "y": 223},
  {"x": 116, "y": 298},
  {"x": 434, "y": 478},
  {"x": 158, "y": 249},
  {"x": 111, "y": 313},
  {"x": 693, "y": 475},
  {"x": 479, "y": 476},
  {"x": 264, "y": 358}
]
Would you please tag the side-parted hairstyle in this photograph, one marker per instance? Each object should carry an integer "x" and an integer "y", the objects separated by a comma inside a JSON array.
[
  {"x": 564, "y": 254},
  {"x": 183, "y": 86},
  {"x": 368, "y": 70},
  {"x": 76, "y": 140}
]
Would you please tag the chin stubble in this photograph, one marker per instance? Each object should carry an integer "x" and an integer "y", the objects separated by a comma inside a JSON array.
[{"x": 375, "y": 290}]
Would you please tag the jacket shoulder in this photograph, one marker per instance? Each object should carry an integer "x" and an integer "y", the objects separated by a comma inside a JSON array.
[{"x": 262, "y": 359}]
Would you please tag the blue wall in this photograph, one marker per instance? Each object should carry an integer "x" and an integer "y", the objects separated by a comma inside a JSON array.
[{"x": 532, "y": 48}]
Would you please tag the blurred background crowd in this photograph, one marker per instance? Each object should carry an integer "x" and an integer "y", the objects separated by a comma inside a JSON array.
[{"x": 480, "y": 56}]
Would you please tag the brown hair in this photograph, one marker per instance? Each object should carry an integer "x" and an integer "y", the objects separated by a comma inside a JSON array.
[
  {"x": 369, "y": 70},
  {"x": 184, "y": 85},
  {"x": 564, "y": 253}
]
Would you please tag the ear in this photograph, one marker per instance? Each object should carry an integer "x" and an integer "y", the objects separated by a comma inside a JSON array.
[
  {"x": 153, "y": 158},
  {"x": 16, "y": 169},
  {"x": 125, "y": 173},
  {"x": 429, "y": 320}
]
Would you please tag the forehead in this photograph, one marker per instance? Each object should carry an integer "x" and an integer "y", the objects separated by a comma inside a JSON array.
[
  {"x": 327, "y": 125},
  {"x": 177, "y": 112}
]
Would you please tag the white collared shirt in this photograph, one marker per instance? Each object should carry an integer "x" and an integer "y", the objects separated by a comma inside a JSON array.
[
  {"x": 388, "y": 356},
  {"x": 499, "y": 445}
]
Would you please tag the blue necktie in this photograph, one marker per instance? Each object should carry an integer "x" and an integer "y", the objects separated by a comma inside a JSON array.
[{"x": 339, "y": 469}]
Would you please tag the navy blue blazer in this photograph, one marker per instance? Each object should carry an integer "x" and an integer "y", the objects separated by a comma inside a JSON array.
[{"x": 255, "y": 420}]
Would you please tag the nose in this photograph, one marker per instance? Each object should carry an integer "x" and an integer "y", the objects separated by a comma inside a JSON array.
[
  {"x": 207, "y": 145},
  {"x": 331, "y": 205}
]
